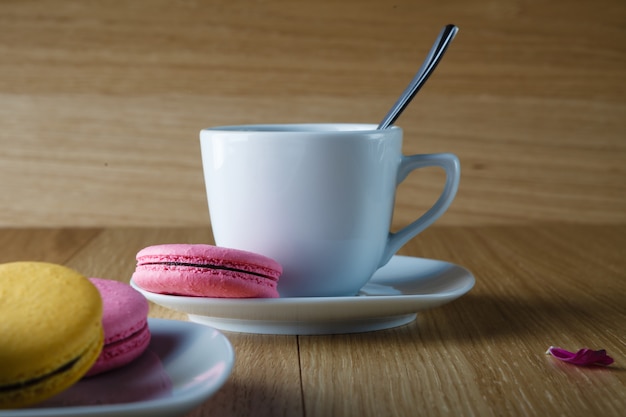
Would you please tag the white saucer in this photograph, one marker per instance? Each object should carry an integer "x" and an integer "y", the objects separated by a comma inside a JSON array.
[
  {"x": 392, "y": 298},
  {"x": 184, "y": 365}
]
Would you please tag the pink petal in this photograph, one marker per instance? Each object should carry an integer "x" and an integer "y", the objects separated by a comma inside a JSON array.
[{"x": 584, "y": 357}]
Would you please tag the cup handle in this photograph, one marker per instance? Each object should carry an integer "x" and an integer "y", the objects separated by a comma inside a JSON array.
[{"x": 451, "y": 165}]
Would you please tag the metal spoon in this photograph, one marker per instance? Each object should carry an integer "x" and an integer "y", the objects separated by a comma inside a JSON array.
[{"x": 432, "y": 59}]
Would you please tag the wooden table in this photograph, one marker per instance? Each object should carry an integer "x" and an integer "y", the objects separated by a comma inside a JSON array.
[{"x": 537, "y": 285}]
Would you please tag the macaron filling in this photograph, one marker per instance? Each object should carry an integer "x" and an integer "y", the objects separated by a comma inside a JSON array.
[
  {"x": 34, "y": 381},
  {"x": 117, "y": 343},
  {"x": 209, "y": 266}
]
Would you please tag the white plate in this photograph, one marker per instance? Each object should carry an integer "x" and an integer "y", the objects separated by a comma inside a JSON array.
[
  {"x": 183, "y": 366},
  {"x": 392, "y": 298}
]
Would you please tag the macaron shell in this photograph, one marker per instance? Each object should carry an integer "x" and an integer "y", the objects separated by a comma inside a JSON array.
[
  {"x": 124, "y": 318},
  {"x": 206, "y": 271},
  {"x": 124, "y": 309},
  {"x": 50, "y": 331}
]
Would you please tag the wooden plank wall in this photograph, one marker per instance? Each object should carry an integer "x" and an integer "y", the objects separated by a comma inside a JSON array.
[{"x": 101, "y": 102}]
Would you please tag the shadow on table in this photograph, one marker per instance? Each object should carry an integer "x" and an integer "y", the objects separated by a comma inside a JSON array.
[{"x": 484, "y": 316}]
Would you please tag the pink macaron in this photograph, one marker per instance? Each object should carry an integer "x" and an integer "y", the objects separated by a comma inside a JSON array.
[
  {"x": 125, "y": 322},
  {"x": 206, "y": 271}
]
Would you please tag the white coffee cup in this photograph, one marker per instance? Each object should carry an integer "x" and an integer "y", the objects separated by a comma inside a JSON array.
[{"x": 318, "y": 198}]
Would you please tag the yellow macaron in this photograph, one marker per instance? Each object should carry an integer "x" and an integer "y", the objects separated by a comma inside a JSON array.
[{"x": 50, "y": 330}]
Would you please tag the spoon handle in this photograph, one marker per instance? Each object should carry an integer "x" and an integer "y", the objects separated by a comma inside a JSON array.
[{"x": 432, "y": 59}]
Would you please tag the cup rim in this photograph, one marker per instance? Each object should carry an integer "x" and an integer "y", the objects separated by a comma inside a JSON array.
[{"x": 290, "y": 128}]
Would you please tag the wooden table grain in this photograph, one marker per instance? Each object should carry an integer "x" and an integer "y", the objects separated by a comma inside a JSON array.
[{"x": 537, "y": 285}]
